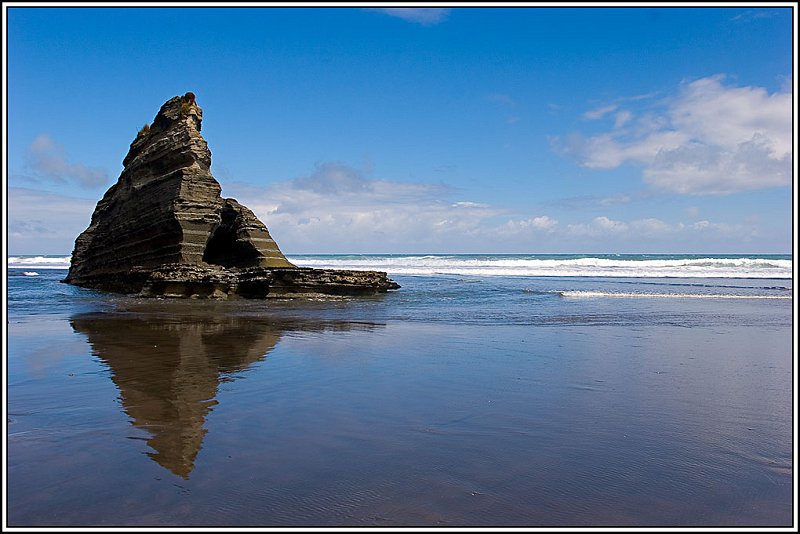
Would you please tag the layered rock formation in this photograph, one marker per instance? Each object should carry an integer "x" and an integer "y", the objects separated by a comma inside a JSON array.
[{"x": 164, "y": 229}]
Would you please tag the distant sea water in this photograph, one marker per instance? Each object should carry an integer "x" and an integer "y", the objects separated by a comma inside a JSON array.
[{"x": 490, "y": 390}]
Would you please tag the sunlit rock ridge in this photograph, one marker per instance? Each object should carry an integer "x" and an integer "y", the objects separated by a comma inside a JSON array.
[{"x": 164, "y": 230}]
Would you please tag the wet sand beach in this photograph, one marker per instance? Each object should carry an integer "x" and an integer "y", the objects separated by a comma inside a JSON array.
[{"x": 453, "y": 402}]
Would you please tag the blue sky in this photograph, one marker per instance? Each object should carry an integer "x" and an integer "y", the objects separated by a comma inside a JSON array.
[{"x": 411, "y": 130}]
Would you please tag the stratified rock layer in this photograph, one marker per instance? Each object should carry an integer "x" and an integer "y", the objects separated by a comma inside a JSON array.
[{"x": 164, "y": 229}]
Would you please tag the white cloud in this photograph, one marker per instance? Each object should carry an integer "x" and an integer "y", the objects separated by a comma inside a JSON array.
[
  {"x": 786, "y": 83},
  {"x": 709, "y": 139},
  {"x": 543, "y": 222},
  {"x": 333, "y": 178},
  {"x": 697, "y": 168},
  {"x": 622, "y": 118},
  {"x": 337, "y": 208},
  {"x": 384, "y": 216},
  {"x": 607, "y": 225},
  {"x": 41, "y": 222},
  {"x": 752, "y": 15},
  {"x": 614, "y": 200},
  {"x": 420, "y": 15},
  {"x": 729, "y": 116},
  {"x": 584, "y": 201},
  {"x": 600, "y": 112},
  {"x": 653, "y": 232},
  {"x": 603, "y": 226},
  {"x": 48, "y": 160},
  {"x": 745, "y": 229},
  {"x": 650, "y": 226},
  {"x": 524, "y": 227},
  {"x": 468, "y": 204},
  {"x": 605, "y": 151}
]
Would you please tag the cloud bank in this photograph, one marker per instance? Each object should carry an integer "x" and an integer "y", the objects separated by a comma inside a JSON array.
[
  {"x": 337, "y": 208},
  {"x": 420, "y": 15},
  {"x": 710, "y": 139}
]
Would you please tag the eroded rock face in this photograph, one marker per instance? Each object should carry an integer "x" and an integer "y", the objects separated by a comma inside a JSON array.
[
  {"x": 165, "y": 221},
  {"x": 241, "y": 240}
]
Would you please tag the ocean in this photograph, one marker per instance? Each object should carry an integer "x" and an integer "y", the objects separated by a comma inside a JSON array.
[{"x": 490, "y": 390}]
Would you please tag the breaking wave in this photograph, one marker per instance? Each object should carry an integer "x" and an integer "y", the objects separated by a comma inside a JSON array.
[
  {"x": 38, "y": 262},
  {"x": 633, "y": 266},
  {"x": 612, "y": 294}
]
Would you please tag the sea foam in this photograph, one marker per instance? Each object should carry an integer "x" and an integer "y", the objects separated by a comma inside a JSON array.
[
  {"x": 633, "y": 267},
  {"x": 38, "y": 262},
  {"x": 612, "y": 294}
]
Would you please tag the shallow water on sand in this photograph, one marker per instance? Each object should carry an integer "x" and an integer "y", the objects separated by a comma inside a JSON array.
[{"x": 452, "y": 402}]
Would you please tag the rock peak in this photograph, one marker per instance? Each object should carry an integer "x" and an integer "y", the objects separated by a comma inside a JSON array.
[
  {"x": 166, "y": 206},
  {"x": 179, "y": 118},
  {"x": 164, "y": 225},
  {"x": 180, "y": 109}
]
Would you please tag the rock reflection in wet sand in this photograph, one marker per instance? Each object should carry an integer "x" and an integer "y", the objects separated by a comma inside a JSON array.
[{"x": 168, "y": 367}]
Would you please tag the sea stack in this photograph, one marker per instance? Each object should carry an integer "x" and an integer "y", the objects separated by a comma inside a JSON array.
[{"x": 164, "y": 230}]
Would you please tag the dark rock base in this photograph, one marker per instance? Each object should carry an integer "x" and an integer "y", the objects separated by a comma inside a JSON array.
[{"x": 213, "y": 282}]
